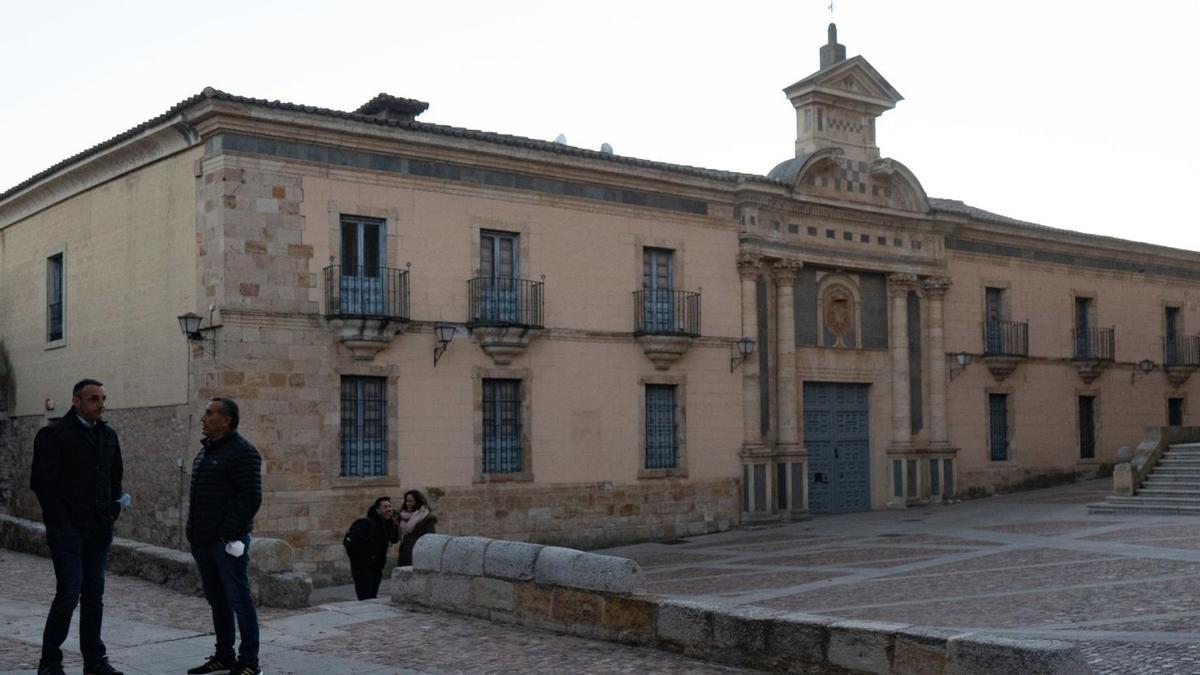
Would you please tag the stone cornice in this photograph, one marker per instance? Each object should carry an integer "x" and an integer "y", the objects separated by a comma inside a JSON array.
[
  {"x": 215, "y": 116},
  {"x": 164, "y": 140}
]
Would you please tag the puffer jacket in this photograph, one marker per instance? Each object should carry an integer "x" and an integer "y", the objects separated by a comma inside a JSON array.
[{"x": 226, "y": 490}]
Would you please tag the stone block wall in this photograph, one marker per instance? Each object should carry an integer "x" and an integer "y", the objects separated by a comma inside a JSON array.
[
  {"x": 601, "y": 597},
  {"x": 152, "y": 440}
]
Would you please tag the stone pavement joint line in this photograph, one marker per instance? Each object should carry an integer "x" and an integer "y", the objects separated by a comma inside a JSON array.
[{"x": 1029, "y": 565}]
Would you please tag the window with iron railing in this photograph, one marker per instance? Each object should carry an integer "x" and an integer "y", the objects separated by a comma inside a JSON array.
[
  {"x": 1006, "y": 338},
  {"x": 502, "y": 448},
  {"x": 364, "y": 426},
  {"x": 662, "y": 433}
]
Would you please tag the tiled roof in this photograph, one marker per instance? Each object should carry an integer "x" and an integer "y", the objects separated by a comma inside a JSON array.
[
  {"x": 424, "y": 127},
  {"x": 975, "y": 213},
  {"x": 388, "y": 102}
]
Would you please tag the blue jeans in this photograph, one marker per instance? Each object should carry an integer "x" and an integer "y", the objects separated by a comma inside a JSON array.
[
  {"x": 226, "y": 582},
  {"x": 80, "y": 562}
]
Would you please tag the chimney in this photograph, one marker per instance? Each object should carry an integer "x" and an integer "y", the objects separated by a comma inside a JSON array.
[
  {"x": 388, "y": 107},
  {"x": 832, "y": 52}
]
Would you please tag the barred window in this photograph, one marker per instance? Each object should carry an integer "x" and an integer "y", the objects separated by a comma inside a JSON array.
[
  {"x": 364, "y": 426},
  {"x": 54, "y": 298},
  {"x": 662, "y": 438},
  {"x": 502, "y": 452},
  {"x": 998, "y": 426}
]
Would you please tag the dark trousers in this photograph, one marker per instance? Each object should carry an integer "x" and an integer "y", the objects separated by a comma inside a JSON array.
[
  {"x": 80, "y": 562},
  {"x": 367, "y": 577},
  {"x": 226, "y": 582}
]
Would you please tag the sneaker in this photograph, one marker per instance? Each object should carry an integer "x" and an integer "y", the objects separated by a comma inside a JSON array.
[
  {"x": 243, "y": 668},
  {"x": 213, "y": 664},
  {"x": 101, "y": 667},
  {"x": 51, "y": 669}
]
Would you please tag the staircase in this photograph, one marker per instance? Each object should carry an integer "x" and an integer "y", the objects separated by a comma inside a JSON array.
[{"x": 1173, "y": 486}]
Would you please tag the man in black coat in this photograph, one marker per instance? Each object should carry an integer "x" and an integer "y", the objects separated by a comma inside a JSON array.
[
  {"x": 367, "y": 543},
  {"x": 226, "y": 494},
  {"x": 76, "y": 475}
]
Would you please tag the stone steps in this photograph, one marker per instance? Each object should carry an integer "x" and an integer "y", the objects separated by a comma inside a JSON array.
[{"x": 1172, "y": 488}]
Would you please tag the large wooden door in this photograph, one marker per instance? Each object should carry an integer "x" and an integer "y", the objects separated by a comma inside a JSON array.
[{"x": 837, "y": 435}]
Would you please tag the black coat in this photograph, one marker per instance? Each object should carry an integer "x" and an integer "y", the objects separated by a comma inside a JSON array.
[
  {"x": 371, "y": 536},
  {"x": 410, "y": 540},
  {"x": 77, "y": 472},
  {"x": 226, "y": 490}
]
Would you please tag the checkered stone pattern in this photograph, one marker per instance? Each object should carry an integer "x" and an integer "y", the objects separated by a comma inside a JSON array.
[
  {"x": 850, "y": 176},
  {"x": 844, "y": 125}
]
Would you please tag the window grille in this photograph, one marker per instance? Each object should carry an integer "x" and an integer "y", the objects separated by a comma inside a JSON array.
[
  {"x": 998, "y": 426},
  {"x": 661, "y": 432},
  {"x": 502, "y": 452},
  {"x": 364, "y": 426}
]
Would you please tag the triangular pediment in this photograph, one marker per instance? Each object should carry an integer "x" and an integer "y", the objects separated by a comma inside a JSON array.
[{"x": 853, "y": 78}]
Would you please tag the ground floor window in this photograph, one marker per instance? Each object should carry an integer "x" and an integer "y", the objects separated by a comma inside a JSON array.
[
  {"x": 364, "y": 426},
  {"x": 1175, "y": 412},
  {"x": 662, "y": 437},
  {"x": 998, "y": 426},
  {"x": 502, "y": 451},
  {"x": 1087, "y": 427}
]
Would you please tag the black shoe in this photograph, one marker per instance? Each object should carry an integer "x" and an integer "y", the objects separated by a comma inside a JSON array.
[
  {"x": 214, "y": 664},
  {"x": 243, "y": 668},
  {"x": 51, "y": 669},
  {"x": 101, "y": 667}
]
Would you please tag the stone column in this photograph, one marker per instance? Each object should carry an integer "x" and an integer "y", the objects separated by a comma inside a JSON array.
[
  {"x": 935, "y": 293},
  {"x": 784, "y": 274},
  {"x": 749, "y": 268},
  {"x": 899, "y": 284}
]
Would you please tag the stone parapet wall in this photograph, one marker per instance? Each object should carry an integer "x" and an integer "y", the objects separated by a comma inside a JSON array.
[
  {"x": 272, "y": 581},
  {"x": 601, "y": 597},
  {"x": 153, "y": 441}
]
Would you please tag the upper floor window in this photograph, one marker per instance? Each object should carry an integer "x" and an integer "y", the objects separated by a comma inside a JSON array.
[
  {"x": 54, "y": 298},
  {"x": 363, "y": 260}
]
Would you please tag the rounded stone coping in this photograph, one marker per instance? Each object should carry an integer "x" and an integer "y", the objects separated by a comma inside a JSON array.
[
  {"x": 521, "y": 561},
  {"x": 270, "y": 562}
]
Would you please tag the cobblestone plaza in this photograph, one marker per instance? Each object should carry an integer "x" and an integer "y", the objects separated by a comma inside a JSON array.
[{"x": 1026, "y": 565}]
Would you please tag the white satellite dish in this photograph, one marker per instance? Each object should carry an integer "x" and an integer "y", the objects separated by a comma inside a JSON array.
[
  {"x": 605, "y": 149},
  {"x": 561, "y": 139}
]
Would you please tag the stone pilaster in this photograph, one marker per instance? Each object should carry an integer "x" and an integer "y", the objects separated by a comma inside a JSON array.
[
  {"x": 899, "y": 284},
  {"x": 750, "y": 267},
  {"x": 784, "y": 274},
  {"x": 935, "y": 294}
]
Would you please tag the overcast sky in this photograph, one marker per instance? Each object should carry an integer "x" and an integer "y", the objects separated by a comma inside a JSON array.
[{"x": 1072, "y": 113}]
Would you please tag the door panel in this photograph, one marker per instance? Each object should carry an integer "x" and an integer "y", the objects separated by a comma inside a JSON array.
[{"x": 837, "y": 435}]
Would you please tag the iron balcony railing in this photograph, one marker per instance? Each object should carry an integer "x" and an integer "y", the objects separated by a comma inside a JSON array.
[
  {"x": 1006, "y": 338},
  {"x": 1094, "y": 344},
  {"x": 1181, "y": 350},
  {"x": 366, "y": 292},
  {"x": 666, "y": 312},
  {"x": 500, "y": 301}
]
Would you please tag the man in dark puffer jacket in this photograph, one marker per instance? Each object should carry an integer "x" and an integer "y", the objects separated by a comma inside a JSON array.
[{"x": 226, "y": 493}]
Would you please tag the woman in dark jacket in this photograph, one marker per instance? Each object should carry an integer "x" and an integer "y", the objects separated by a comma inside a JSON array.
[{"x": 415, "y": 520}]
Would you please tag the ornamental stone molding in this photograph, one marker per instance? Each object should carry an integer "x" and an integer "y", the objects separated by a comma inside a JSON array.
[
  {"x": 785, "y": 271},
  {"x": 503, "y": 343},
  {"x": 750, "y": 265},
  {"x": 1001, "y": 366},
  {"x": 900, "y": 283},
  {"x": 1178, "y": 375},
  {"x": 1090, "y": 370},
  {"x": 935, "y": 287},
  {"x": 664, "y": 350},
  {"x": 364, "y": 336}
]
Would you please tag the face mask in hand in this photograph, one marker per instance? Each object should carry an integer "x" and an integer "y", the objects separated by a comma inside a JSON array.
[{"x": 235, "y": 548}]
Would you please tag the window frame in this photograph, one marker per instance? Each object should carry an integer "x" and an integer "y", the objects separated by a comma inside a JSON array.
[
  {"x": 1008, "y": 427},
  {"x": 52, "y": 342},
  {"x": 358, "y": 418},
  {"x": 479, "y": 377},
  {"x": 680, "y": 470}
]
